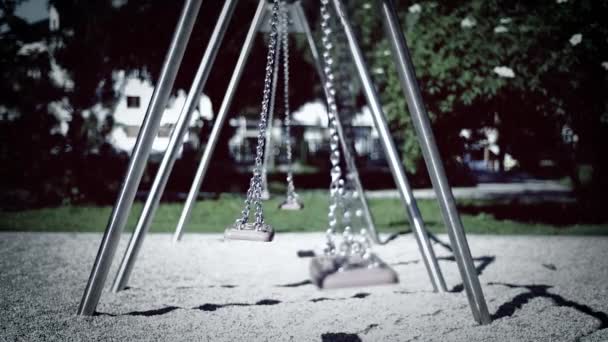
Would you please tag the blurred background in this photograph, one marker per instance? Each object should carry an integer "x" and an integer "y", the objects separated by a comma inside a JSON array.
[{"x": 516, "y": 90}]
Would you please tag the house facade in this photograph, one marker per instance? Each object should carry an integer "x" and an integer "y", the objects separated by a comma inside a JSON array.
[
  {"x": 135, "y": 91},
  {"x": 310, "y": 135}
]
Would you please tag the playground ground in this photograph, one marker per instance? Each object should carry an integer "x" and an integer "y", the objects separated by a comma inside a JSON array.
[{"x": 538, "y": 288}]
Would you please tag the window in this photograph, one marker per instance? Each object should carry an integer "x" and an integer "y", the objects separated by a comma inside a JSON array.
[{"x": 132, "y": 101}]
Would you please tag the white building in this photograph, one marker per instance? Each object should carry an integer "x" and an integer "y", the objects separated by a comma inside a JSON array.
[
  {"x": 314, "y": 115},
  {"x": 312, "y": 118},
  {"x": 135, "y": 94}
]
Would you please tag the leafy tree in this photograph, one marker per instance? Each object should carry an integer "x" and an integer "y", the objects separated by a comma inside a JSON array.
[
  {"x": 102, "y": 37},
  {"x": 533, "y": 69},
  {"x": 73, "y": 68},
  {"x": 30, "y": 141}
]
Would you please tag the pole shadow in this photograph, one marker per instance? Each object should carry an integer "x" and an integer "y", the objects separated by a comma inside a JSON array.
[
  {"x": 208, "y": 307},
  {"x": 340, "y": 337},
  {"x": 509, "y": 308},
  {"x": 485, "y": 261}
]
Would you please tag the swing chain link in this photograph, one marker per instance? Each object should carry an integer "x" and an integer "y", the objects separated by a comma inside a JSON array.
[
  {"x": 254, "y": 193},
  {"x": 336, "y": 187},
  {"x": 291, "y": 189},
  {"x": 273, "y": 93},
  {"x": 346, "y": 101},
  {"x": 351, "y": 244}
]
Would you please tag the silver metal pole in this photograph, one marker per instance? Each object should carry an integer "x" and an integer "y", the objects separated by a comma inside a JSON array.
[
  {"x": 137, "y": 164},
  {"x": 219, "y": 121},
  {"x": 175, "y": 143},
  {"x": 350, "y": 162},
  {"x": 433, "y": 161},
  {"x": 407, "y": 196}
]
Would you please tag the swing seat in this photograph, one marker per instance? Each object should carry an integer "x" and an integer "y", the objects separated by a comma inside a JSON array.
[
  {"x": 291, "y": 205},
  {"x": 249, "y": 232},
  {"x": 333, "y": 272}
]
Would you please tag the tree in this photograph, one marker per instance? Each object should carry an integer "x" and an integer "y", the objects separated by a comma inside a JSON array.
[
  {"x": 102, "y": 37},
  {"x": 29, "y": 133},
  {"x": 539, "y": 67}
]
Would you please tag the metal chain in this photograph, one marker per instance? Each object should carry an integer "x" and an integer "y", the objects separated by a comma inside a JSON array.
[
  {"x": 255, "y": 185},
  {"x": 291, "y": 189},
  {"x": 342, "y": 89},
  {"x": 362, "y": 240},
  {"x": 346, "y": 102},
  {"x": 351, "y": 244},
  {"x": 268, "y": 153},
  {"x": 336, "y": 187}
]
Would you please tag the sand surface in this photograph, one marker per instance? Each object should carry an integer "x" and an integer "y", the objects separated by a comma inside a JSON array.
[{"x": 205, "y": 289}]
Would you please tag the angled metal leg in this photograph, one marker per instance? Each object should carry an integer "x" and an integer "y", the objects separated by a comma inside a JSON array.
[
  {"x": 219, "y": 120},
  {"x": 350, "y": 162},
  {"x": 137, "y": 164},
  {"x": 175, "y": 142},
  {"x": 407, "y": 196},
  {"x": 434, "y": 164}
]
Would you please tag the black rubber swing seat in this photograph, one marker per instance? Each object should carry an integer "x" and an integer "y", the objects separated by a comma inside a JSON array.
[
  {"x": 249, "y": 232},
  {"x": 332, "y": 272}
]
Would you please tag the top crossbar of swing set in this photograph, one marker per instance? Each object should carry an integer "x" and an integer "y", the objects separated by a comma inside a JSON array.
[{"x": 420, "y": 120}]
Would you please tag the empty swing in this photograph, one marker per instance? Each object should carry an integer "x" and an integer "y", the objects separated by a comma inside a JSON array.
[
  {"x": 258, "y": 230},
  {"x": 348, "y": 260}
]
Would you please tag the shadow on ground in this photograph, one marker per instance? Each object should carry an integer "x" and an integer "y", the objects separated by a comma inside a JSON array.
[
  {"x": 542, "y": 291},
  {"x": 209, "y": 307},
  {"x": 484, "y": 262},
  {"x": 205, "y": 307},
  {"x": 340, "y": 337}
]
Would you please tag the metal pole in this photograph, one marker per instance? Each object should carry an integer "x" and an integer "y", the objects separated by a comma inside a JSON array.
[
  {"x": 407, "y": 196},
  {"x": 175, "y": 142},
  {"x": 219, "y": 121},
  {"x": 433, "y": 161},
  {"x": 350, "y": 162},
  {"x": 137, "y": 164}
]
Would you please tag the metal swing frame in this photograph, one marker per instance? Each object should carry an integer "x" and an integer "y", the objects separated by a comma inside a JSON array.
[{"x": 150, "y": 126}]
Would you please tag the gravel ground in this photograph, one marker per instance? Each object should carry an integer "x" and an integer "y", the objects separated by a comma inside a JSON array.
[{"x": 537, "y": 288}]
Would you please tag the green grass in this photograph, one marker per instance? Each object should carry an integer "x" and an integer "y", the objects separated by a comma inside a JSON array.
[{"x": 215, "y": 215}]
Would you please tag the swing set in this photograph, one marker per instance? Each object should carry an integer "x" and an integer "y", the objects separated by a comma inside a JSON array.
[{"x": 347, "y": 259}]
